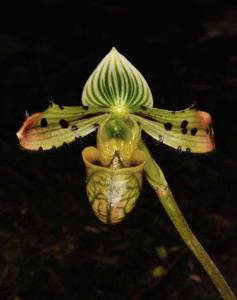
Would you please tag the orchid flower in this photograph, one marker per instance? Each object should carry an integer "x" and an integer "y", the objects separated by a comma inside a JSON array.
[{"x": 117, "y": 101}]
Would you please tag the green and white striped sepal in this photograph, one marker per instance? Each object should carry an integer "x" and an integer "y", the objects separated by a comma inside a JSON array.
[{"x": 116, "y": 83}]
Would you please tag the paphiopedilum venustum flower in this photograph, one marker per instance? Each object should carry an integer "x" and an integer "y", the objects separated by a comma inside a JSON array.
[{"x": 118, "y": 102}]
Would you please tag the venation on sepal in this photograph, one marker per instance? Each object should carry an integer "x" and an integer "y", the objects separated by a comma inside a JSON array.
[
  {"x": 187, "y": 130},
  {"x": 116, "y": 82},
  {"x": 58, "y": 125}
]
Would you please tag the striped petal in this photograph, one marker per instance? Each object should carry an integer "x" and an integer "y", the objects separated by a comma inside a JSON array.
[
  {"x": 115, "y": 83},
  {"x": 58, "y": 125},
  {"x": 186, "y": 130}
]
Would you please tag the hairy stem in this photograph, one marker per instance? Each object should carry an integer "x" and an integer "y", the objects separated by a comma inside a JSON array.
[{"x": 156, "y": 178}]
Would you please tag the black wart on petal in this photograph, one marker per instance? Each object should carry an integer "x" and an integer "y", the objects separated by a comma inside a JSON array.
[{"x": 168, "y": 126}]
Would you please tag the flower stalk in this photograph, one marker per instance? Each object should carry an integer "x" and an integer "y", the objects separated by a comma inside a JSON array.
[{"x": 156, "y": 179}]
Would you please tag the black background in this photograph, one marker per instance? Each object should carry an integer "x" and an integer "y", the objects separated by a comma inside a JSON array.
[{"x": 51, "y": 244}]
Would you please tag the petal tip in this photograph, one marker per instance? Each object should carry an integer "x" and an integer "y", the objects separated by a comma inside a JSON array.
[
  {"x": 26, "y": 126},
  {"x": 114, "y": 52}
]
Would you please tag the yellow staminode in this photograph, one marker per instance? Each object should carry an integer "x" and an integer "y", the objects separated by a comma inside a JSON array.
[{"x": 120, "y": 110}]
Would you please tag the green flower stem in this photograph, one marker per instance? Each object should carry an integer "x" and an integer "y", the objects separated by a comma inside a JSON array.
[{"x": 156, "y": 178}]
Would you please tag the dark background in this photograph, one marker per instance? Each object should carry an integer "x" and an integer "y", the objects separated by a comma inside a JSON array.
[{"x": 51, "y": 244}]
